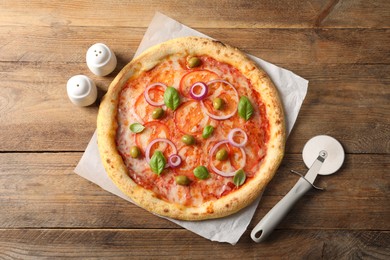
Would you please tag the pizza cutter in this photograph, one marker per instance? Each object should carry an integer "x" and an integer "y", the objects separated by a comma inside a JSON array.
[{"x": 323, "y": 155}]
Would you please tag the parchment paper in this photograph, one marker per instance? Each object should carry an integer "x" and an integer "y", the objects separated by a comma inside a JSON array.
[{"x": 292, "y": 90}]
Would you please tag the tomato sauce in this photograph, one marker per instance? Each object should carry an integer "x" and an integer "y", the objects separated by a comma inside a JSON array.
[{"x": 190, "y": 118}]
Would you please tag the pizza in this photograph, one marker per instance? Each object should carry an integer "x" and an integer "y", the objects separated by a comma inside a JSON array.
[{"x": 191, "y": 129}]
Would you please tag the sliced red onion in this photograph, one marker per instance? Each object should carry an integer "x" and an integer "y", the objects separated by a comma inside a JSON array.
[
  {"x": 224, "y": 116},
  {"x": 147, "y": 97},
  {"x": 147, "y": 152},
  {"x": 231, "y": 137},
  {"x": 203, "y": 91},
  {"x": 174, "y": 160},
  {"x": 222, "y": 173}
]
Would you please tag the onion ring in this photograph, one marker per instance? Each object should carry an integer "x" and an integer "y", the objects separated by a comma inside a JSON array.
[
  {"x": 225, "y": 116},
  {"x": 222, "y": 173},
  {"x": 231, "y": 136},
  {"x": 174, "y": 160},
  {"x": 203, "y": 91},
  {"x": 147, "y": 150},
  {"x": 147, "y": 97}
]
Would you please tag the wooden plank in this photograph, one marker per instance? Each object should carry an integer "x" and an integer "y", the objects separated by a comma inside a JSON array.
[
  {"x": 161, "y": 244},
  {"x": 280, "y": 46},
  {"x": 220, "y": 14},
  {"x": 323, "y": 211},
  {"x": 45, "y": 120},
  {"x": 41, "y": 190},
  {"x": 47, "y": 211},
  {"x": 351, "y": 13},
  {"x": 343, "y": 96},
  {"x": 65, "y": 44},
  {"x": 351, "y": 180},
  {"x": 139, "y": 13}
]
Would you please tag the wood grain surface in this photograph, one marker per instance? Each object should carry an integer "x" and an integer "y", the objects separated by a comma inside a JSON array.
[{"x": 47, "y": 211}]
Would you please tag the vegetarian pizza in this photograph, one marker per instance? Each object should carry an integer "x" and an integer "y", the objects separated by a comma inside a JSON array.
[{"x": 191, "y": 129}]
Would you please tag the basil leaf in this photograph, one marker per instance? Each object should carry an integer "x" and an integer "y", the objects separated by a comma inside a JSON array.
[
  {"x": 239, "y": 178},
  {"x": 245, "y": 108},
  {"x": 136, "y": 128},
  {"x": 157, "y": 162},
  {"x": 201, "y": 172},
  {"x": 207, "y": 131},
  {"x": 171, "y": 98}
]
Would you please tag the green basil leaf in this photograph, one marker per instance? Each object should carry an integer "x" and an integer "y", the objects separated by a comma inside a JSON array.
[
  {"x": 245, "y": 108},
  {"x": 201, "y": 172},
  {"x": 239, "y": 178},
  {"x": 157, "y": 162},
  {"x": 207, "y": 131},
  {"x": 136, "y": 128},
  {"x": 171, "y": 98}
]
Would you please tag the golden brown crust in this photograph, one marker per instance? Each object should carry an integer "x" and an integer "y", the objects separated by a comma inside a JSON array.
[{"x": 226, "y": 205}]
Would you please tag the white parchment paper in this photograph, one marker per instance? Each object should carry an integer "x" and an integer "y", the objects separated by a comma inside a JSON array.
[{"x": 292, "y": 89}]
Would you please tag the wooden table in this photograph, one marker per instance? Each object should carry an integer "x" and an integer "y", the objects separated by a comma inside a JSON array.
[{"x": 341, "y": 47}]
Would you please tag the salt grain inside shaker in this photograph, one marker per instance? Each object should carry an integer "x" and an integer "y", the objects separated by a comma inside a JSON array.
[
  {"x": 100, "y": 59},
  {"x": 81, "y": 90}
]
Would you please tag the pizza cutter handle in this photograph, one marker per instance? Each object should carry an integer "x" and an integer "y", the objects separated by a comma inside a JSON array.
[{"x": 265, "y": 227}]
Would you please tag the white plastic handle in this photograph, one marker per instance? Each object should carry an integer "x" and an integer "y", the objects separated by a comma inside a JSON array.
[{"x": 279, "y": 211}]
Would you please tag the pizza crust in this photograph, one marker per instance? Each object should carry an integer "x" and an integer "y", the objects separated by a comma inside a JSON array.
[{"x": 228, "y": 204}]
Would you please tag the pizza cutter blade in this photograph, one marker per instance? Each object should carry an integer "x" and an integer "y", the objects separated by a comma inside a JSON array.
[{"x": 323, "y": 155}]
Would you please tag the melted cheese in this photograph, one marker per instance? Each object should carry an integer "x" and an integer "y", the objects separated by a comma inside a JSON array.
[{"x": 175, "y": 124}]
